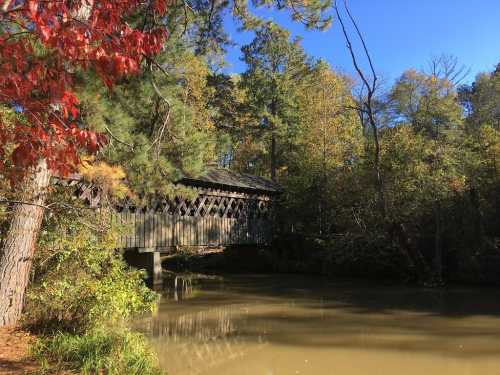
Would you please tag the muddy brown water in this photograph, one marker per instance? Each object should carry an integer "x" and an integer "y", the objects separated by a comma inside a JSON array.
[{"x": 286, "y": 325}]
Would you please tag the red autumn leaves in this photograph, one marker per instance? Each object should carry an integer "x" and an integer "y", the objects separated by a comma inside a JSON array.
[{"x": 42, "y": 45}]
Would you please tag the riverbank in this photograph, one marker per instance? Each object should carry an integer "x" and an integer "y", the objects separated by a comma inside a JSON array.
[
  {"x": 14, "y": 352},
  {"x": 334, "y": 260},
  {"x": 117, "y": 351}
]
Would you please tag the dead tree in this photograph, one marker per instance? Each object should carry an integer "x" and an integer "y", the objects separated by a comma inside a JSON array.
[{"x": 367, "y": 102}]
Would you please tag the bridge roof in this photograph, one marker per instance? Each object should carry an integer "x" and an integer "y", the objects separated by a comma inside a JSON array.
[{"x": 231, "y": 180}]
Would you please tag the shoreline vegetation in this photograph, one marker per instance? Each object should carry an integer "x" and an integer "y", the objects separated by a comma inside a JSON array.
[
  {"x": 80, "y": 303},
  {"x": 312, "y": 256},
  {"x": 115, "y": 350}
]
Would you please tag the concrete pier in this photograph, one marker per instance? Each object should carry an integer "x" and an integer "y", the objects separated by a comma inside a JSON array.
[{"x": 148, "y": 260}]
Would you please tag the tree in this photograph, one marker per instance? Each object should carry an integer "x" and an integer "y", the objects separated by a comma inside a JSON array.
[
  {"x": 481, "y": 102},
  {"x": 327, "y": 145},
  {"x": 429, "y": 105},
  {"x": 484, "y": 97},
  {"x": 367, "y": 102},
  {"x": 158, "y": 122},
  {"x": 427, "y": 102},
  {"x": 42, "y": 46},
  {"x": 275, "y": 68}
]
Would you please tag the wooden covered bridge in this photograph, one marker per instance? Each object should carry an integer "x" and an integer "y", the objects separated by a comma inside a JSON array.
[{"x": 226, "y": 208}]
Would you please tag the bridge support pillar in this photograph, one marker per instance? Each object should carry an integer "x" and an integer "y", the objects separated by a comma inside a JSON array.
[{"x": 146, "y": 260}]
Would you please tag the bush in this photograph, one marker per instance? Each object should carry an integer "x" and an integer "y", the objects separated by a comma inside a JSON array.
[
  {"x": 368, "y": 255},
  {"x": 82, "y": 293},
  {"x": 81, "y": 281},
  {"x": 116, "y": 351}
]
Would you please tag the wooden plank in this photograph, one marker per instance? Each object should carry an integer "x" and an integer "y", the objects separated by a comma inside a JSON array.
[
  {"x": 129, "y": 229},
  {"x": 237, "y": 230},
  {"x": 165, "y": 229},
  {"x": 231, "y": 231},
  {"x": 134, "y": 223},
  {"x": 192, "y": 231},
  {"x": 123, "y": 223},
  {"x": 203, "y": 232},
  {"x": 140, "y": 228},
  {"x": 160, "y": 229},
  {"x": 155, "y": 239},
  {"x": 206, "y": 226},
  {"x": 196, "y": 231},
  {"x": 221, "y": 230},
  {"x": 171, "y": 228},
  {"x": 199, "y": 230},
  {"x": 176, "y": 229},
  {"x": 189, "y": 228},
  {"x": 224, "y": 230},
  {"x": 210, "y": 230},
  {"x": 184, "y": 232},
  {"x": 179, "y": 227},
  {"x": 123, "y": 238},
  {"x": 168, "y": 229},
  {"x": 147, "y": 228}
]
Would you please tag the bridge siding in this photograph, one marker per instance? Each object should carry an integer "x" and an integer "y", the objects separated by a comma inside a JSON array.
[{"x": 161, "y": 230}]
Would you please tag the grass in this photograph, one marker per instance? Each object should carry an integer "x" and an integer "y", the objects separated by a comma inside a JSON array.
[{"x": 110, "y": 351}]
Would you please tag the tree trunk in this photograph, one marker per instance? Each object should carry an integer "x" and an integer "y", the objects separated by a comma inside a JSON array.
[
  {"x": 438, "y": 250},
  {"x": 379, "y": 182},
  {"x": 19, "y": 244},
  {"x": 415, "y": 259},
  {"x": 477, "y": 218},
  {"x": 273, "y": 156}
]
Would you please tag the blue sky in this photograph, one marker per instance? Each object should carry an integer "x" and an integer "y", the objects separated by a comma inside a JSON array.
[{"x": 400, "y": 34}]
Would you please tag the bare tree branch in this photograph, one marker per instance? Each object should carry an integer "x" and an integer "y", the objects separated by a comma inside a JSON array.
[
  {"x": 367, "y": 106},
  {"x": 117, "y": 139}
]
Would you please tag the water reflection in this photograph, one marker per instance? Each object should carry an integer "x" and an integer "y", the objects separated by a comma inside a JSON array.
[
  {"x": 201, "y": 326},
  {"x": 194, "y": 342},
  {"x": 288, "y": 325}
]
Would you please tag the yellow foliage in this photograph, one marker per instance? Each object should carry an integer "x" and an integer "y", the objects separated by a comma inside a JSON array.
[
  {"x": 109, "y": 178},
  {"x": 331, "y": 133}
]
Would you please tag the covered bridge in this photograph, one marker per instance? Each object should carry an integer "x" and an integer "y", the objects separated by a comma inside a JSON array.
[{"x": 226, "y": 208}]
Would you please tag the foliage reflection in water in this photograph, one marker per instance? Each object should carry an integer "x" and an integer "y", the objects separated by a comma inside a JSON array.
[{"x": 273, "y": 325}]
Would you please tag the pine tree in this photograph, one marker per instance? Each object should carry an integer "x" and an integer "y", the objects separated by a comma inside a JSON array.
[{"x": 276, "y": 66}]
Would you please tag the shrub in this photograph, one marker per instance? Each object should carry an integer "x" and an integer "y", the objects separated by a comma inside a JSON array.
[
  {"x": 81, "y": 294},
  {"x": 80, "y": 280},
  {"x": 364, "y": 255},
  {"x": 117, "y": 351}
]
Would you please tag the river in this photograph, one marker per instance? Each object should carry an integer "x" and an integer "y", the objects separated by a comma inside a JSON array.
[{"x": 286, "y": 325}]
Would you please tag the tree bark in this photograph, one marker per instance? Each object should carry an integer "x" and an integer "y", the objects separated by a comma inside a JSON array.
[
  {"x": 19, "y": 244},
  {"x": 413, "y": 255},
  {"x": 379, "y": 182},
  {"x": 438, "y": 251},
  {"x": 273, "y": 156}
]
